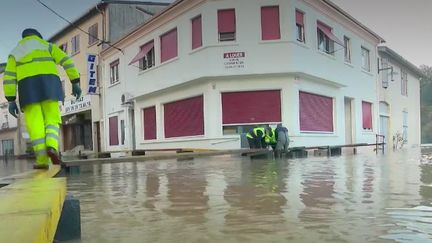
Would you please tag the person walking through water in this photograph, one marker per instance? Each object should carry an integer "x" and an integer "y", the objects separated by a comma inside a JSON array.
[
  {"x": 32, "y": 70},
  {"x": 282, "y": 140}
]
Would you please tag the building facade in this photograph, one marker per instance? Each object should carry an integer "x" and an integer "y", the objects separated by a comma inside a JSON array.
[
  {"x": 83, "y": 41},
  {"x": 13, "y": 135},
  {"x": 203, "y": 72},
  {"x": 399, "y": 99}
]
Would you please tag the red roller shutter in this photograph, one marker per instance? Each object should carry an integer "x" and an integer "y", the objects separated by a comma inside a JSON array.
[
  {"x": 113, "y": 131},
  {"x": 196, "y": 32},
  {"x": 168, "y": 45},
  {"x": 251, "y": 107},
  {"x": 226, "y": 21},
  {"x": 367, "y": 115},
  {"x": 150, "y": 123},
  {"x": 184, "y": 117},
  {"x": 270, "y": 27},
  {"x": 316, "y": 112}
]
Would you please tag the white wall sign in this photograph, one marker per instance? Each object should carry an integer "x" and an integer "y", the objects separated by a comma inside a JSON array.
[
  {"x": 76, "y": 105},
  {"x": 234, "y": 60},
  {"x": 91, "y": 73}
]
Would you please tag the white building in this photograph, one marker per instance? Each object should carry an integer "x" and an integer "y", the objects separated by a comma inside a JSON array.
[
  {"x": 399, "y": 107},
  {"x": 207, "y": 71}
]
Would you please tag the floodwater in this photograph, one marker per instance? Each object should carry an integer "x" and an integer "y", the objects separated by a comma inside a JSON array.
[{"x": 362, "y": 198}]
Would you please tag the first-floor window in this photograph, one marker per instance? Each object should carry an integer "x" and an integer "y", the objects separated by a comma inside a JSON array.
[
  {"x": 367, "y": 115},
  {"x": 365, "y": 59},
  {"x": 316, "y": 112},
  {"x": 114, "y": 72},
  {"x": 113, "y": 131},
  {"x": 405, "y": 127}
]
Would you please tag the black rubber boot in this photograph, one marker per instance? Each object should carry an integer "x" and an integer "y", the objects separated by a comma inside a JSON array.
[{"x": 54, "y": 156}]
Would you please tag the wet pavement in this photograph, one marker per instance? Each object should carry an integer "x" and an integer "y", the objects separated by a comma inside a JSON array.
[{"x": 363, "y": 198}]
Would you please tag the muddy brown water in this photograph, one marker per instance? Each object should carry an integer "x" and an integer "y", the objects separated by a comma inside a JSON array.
[{"x": 363, "y": 198}]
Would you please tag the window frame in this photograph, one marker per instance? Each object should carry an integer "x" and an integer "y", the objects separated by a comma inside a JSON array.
[
  {"x": 347, "y": 49},
  {"x": 368, "y": 59},
  {"x": 150, "y": 55},
  {"x": 75, "y": 44},
  {"x": 227, "y": 38},
  {"x": 114, "y": 72},
  {"x": 300, "y": 29},
  {"x": 404, "y": 82},
  {"x": 328, "y": 44},
  {"x": 93, "y": 37}
]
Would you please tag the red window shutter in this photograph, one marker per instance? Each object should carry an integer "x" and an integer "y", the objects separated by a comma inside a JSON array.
[
  {"x": 184, "y": 117},
  {"x": 196, "y": 32},
  {"x": 113, "y": 131},
  {"x": 316, "y": 112},
  {"x": 270, "y": 27},
  {"x": 251, "y": 107},
  {"x": 367, "y": 115},
  {"x": 168, "y": 45},
  {"x": 150, "y": 123},
  {"x": 299, "y": 18},
  {"x": 226, "y": 21}
]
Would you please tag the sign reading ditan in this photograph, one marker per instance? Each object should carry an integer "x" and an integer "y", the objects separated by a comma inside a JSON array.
[
  {"x": 234, "y": 60},
  {"x": 75, "y": 106}
]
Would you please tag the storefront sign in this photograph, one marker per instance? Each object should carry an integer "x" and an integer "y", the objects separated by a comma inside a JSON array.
[
  {"x": 91, "y": 73},
  {"x": 76, "y": 105},
  {"x": 234, "y": 60}
]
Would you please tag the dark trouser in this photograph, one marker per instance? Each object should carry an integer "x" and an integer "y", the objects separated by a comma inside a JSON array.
[{"x": 256, "y": 143}]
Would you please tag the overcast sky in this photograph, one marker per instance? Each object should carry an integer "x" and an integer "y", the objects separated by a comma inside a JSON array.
[{"x": 406, "y": 25}]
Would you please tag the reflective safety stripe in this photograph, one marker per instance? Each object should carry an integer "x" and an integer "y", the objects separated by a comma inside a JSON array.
[
  {"x": 64, "y": 60},
  {"x": 23, "y": 49},
  {"x": 69, "y": 66},
  {"x": 50, "y": 47},
  {"x": 38, "y": 141},
  {"x": 57, "y": 129},
  {"x": 51, "y": 135},
  {"x": 36, "y": 59},
  {"x": 41, "y": 152},
  {"x": 10, "y": 81},
  {"x": 13, "y": 74}
]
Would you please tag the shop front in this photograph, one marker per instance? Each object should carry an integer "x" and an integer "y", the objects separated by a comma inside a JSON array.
[{"x": 77, "y": 124}]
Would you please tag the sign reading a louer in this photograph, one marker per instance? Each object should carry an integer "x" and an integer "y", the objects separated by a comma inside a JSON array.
[
  {"x": 234, "y": 60},
  {"x": 76, "y": 105}
]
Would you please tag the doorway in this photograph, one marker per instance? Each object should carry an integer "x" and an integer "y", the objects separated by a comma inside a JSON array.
[{"x": 349, "y": 133}]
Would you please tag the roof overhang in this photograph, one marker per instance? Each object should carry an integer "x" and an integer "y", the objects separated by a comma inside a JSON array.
[{"x": 398, "y": 58}]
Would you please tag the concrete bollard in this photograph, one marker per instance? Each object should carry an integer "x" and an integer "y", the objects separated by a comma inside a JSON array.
[{"x": 69, "y": 226}]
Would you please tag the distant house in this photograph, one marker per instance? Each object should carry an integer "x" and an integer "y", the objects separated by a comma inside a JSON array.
[{"x": 399, "y": 99}]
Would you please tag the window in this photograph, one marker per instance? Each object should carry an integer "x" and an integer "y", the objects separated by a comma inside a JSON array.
[
  {"x": 300, "y": 26},
  {"x": 270, "y": 26},
  {"x": 114, "y": 72},
  {"x": 122, "y": 130},
  {"x": 404, "y": 83},
  {"x": 168, "y": 45},
  {"x": 367, "y": 115},
  {"x": 365, "y": 59},
  {"x": 63, "y": 47},
  {"x": 75, "y": 44},
  {"x": 93, "y": 34},
  {"x": 227, "y": 25},
  {"x": 325, "y": 44},
  {"x": 148, "y": 60},
  {"x": 149, "y": 123},
  {"x": 196, "y": 32},
  {"x": 316, "y": 113},
  {"x": 184, "y": 117},
  {"x": 241, "y": 108},
  {"x": 347, "y": 45},
  {"x": 113, "y": 131},
  {"x": 405, "y": 126}
]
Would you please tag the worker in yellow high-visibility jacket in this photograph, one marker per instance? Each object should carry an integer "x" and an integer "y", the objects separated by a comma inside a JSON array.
[{"x": 32, "y": 69}]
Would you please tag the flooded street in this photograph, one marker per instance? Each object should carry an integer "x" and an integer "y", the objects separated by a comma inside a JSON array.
[{"x": 363, "y": 198}]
